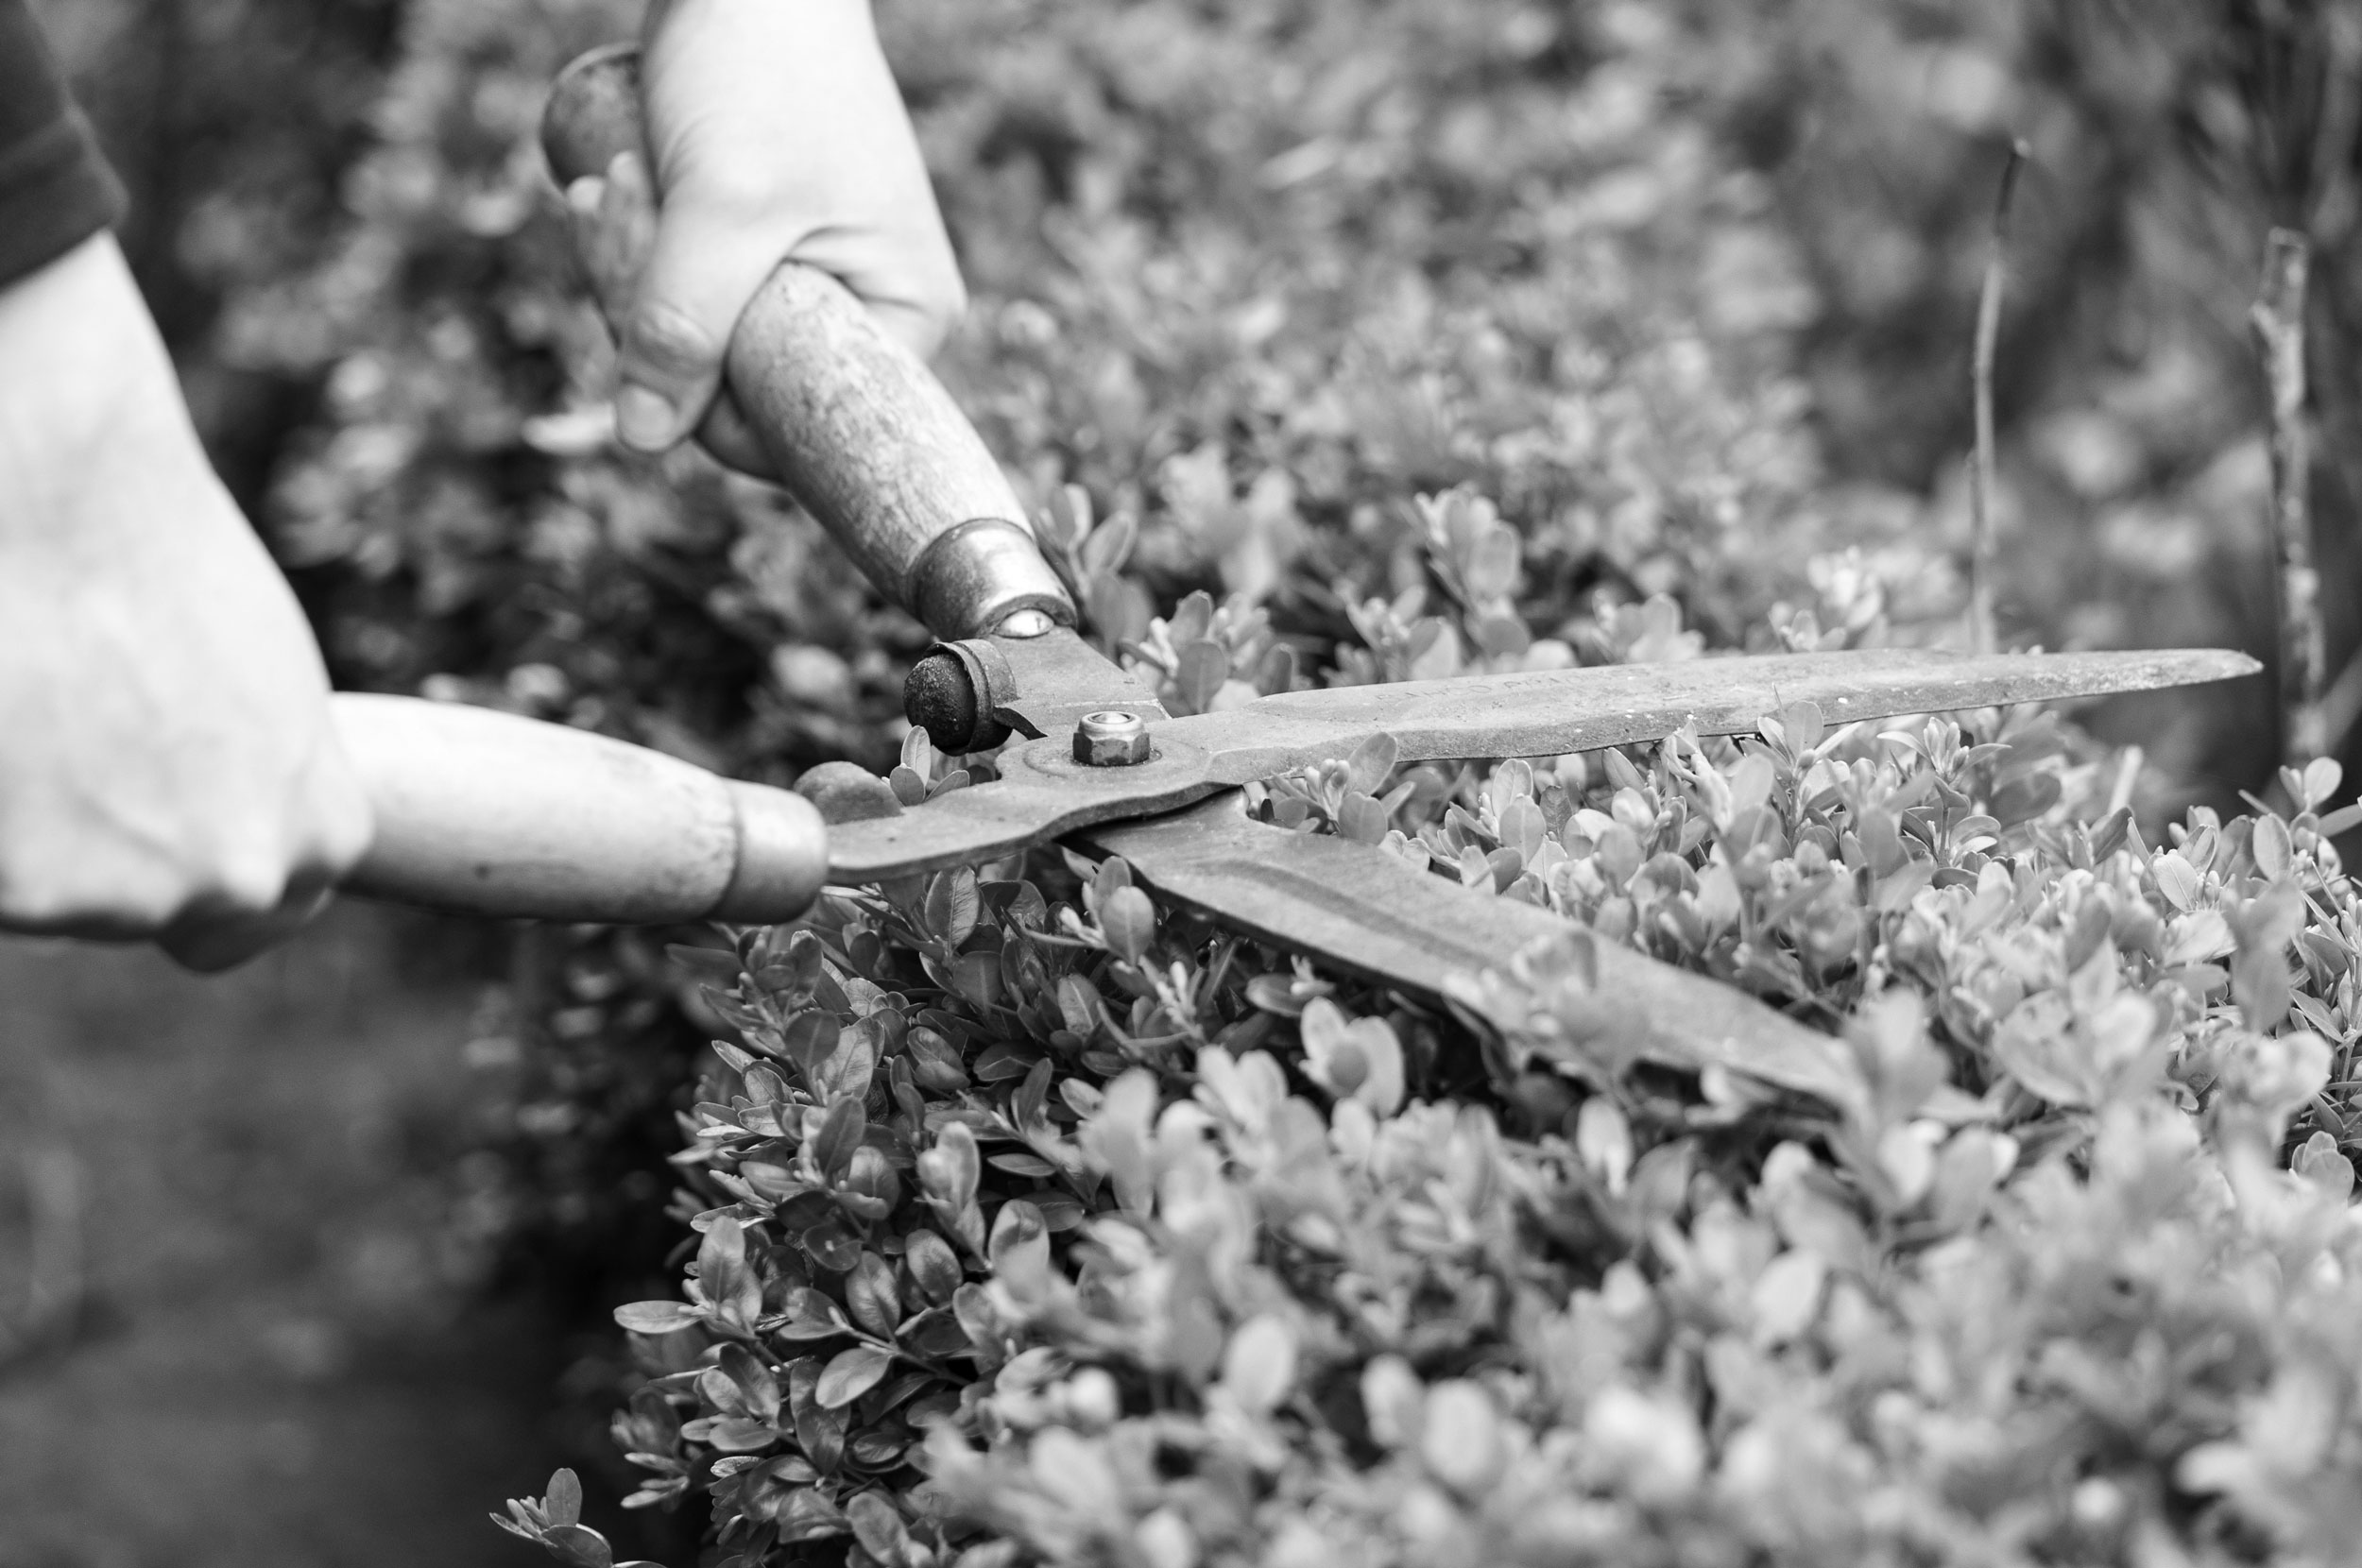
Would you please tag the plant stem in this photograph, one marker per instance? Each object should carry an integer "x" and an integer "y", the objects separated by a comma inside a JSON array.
[
  {"x": 2279, "y": 321},
  {"x": 1982, "y": 637}
]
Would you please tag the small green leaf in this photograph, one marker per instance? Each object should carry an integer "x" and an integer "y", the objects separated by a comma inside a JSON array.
[
  {"x": 1105, "y": 548},
  {"x": 810, "y": 1037},
  {"x": 578, "y": 1546},
  {"x": 1113, "y": 873},
  {"x": 833, "y": 1246},
  {"x": 1523, "y": 827},
  {"x": 2178, "y": 881},
  {"x": 839, "y": 1135},
  {"x": 1198, "y": 672},
  {"x": 1371, "y": 763},
  {"x": 870, "y": 1294},
  {"x": 1259, "y": 1366},
  {"x": 1461, "y": 1437},
  {"x": 851, "y": 1374},
  {"x": 877, "y": 1527},
  {"x": 949, "y": 1171},
  {"x": 1490, "y": 567},
  {"x": 1802, "y": 724},
  {"x": 847, "y": 1069},
  {"x": 2321, "y": 777},
  {"x": 741, "y": 1435},
  {"x": 564, "y": 1503},
  {"x": 1078, "y": 1005},
  {"x": 1025, "y": 1106},
  {"x": 808, "y": 1514},
  {"x": 2025, "y": 797},
  {"x": 918, "y": 753},
  {"x": 1021, "y": 1244},
  {"x": 1276, "y": 672},
  {"x": 2111, "y": 834},
  {"x": 951, "y": 905},
  {"x": 2274, "y": 856},
  {"x": 729, "y": 1284},
  {"x": 1067, "y": 521},
  {"x": 1130, "y": 921},
  {"x": 1751, "y": 779},
  {"x": 658, "y": 1317},
  {"x": 1360, "y": 818},
  {"x": 812, "y": 1316},
  {"x": 933, "y": 1264}
]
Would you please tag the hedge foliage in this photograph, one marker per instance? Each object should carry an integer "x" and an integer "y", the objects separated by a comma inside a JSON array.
[
  {"x": 1341, "y": 342},
  {"x": 1039, "y": 1225}
]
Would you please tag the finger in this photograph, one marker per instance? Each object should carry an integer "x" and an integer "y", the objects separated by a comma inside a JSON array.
[
  {"x": 583, "y": 200},
  {"x": 706, "y": 264},
  {"x": 613, "y": 223},
  {"x": 731, "y": 438},
  {"x": 919, "y": 330},
  {"x": 909, "y": 283},
  {"x": 227, "y": 927},
  {"x": 211, "y": 937}
]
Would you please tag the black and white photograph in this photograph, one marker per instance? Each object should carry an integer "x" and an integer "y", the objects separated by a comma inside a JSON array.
[{"x": 1180, "y": 783}]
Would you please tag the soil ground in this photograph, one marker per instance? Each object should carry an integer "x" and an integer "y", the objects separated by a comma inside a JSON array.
[{"x": 238, "y": 1186}]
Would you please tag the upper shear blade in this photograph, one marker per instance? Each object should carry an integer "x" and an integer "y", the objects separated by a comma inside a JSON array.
[{"x": 1043, "y": 792}]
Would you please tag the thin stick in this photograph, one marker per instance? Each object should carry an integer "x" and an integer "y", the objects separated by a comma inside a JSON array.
[
  {"x": 2279, "y": 321},
  {"x": 1981, "y": 634},
  {"x": 2330, "y": 201},
  {"x": 2127, "y": 777},
  {"x": 2341, "y": 705}
]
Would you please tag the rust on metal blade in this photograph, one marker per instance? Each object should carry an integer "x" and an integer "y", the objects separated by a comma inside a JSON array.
[
  {"x": 1043, "y": 793},
  {"x": 1359, "y": 911},
  {"x": 1548, "y": 713}
]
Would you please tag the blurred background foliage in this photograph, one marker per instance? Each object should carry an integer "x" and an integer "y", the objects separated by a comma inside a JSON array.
[{"x": 1685, "y": 289}]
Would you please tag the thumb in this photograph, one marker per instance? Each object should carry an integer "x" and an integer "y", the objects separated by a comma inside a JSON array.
[{"x": 704, "y": 267}]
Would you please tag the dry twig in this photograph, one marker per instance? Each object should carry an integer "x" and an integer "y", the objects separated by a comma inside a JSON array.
[
  {"x": 2279, "y": 321},
  {"x": 1981, "y": 633}
]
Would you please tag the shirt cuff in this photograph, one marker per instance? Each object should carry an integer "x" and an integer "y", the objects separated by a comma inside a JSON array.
[{"x": 55, "y": 191}]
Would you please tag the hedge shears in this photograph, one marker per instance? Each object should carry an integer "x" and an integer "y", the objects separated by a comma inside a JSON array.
[{"x": 509, "y": 816}]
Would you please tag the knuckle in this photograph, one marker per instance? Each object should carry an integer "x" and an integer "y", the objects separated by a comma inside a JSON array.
[
  {"x": 664, "y": 337},
  {"x": 249, "y": 883},
  {"x": 945, "y": 301},
  {"x": 341, "y": 835},
  {"x": 46, "y": 900},
  {"x": 729, "y": 191}
]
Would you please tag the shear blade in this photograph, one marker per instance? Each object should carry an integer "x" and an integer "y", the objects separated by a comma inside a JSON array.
[
  {"x": 1360, "y": 912},
  {"x": 1546, "y": 713},
  {"x": 1044, "y": 793}
]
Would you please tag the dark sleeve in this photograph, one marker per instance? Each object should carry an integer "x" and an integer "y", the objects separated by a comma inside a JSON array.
[{"x": 55, "y": 191}]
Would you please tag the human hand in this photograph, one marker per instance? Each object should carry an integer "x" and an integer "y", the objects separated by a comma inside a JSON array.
[
  {"x": 168, "y": 768},
  {"x": 776, "y": 131}
]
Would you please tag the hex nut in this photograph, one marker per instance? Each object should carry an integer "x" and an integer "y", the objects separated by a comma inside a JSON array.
[{"x": 1111, "y": 740}]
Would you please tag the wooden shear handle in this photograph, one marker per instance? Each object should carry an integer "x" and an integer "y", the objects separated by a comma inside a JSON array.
[
  {"x": 495, "y": 815},
  {"x": 854, "y": 425}
]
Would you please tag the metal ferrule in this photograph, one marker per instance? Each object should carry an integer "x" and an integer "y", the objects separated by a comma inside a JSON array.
[{"x": 976, "y": 576}]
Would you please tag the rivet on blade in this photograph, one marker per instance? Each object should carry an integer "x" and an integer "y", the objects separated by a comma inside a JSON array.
[
  {"x": 1025, "y": 623},
  {"x": 1111, "y": 738}
]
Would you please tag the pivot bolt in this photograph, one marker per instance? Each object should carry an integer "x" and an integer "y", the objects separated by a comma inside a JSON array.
[{"x": 1111, "y": 740}]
